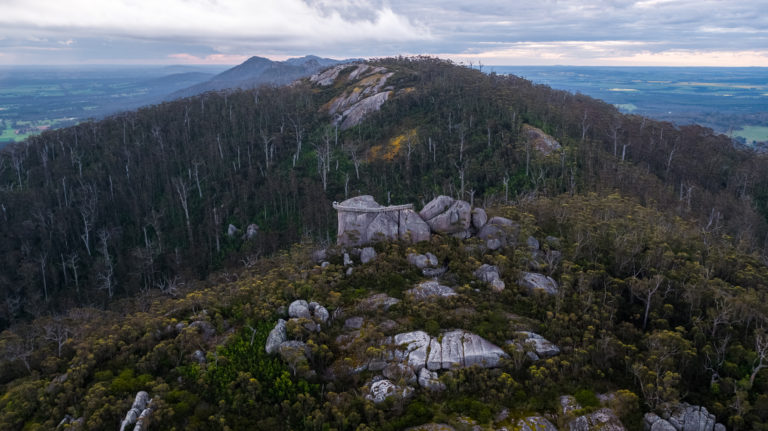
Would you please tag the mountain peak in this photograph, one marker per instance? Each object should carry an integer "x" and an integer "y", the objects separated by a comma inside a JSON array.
[{"x": 258, "y": 71}]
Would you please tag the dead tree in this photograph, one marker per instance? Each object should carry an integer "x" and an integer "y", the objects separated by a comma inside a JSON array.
[
  {"x": 58, "y": 332},
  {"x": 299, "y": 134},
  {"x": 182, "y": 190},
  {"x": 88, "y": 213},
  {"x": 106, "y": 275},
  {"x": 17, "y": 160},
  {"x": 355, "y": 161},
  {"x": 43, "y": 260},
  {"x": 324, "y": 159},
  {"x": 761, "y": 350},
  {"x": 72, "y": 260}
]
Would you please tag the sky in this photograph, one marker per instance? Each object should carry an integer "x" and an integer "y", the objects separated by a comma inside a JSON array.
[{"x": 489, "y": 32}]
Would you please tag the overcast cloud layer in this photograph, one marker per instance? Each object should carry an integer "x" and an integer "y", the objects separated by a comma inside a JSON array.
[{"x": 603, "y": 32}]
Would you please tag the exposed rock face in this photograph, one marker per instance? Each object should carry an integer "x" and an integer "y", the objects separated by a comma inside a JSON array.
[
  {"x": 534, "y": 281},
  {"x": 540, "y": 141},
  {"x": 568, "y": 404},
  {"x": 542, "y": 347},
  {"x": 652, "y": 422},
  {"x": 251, "y": 231},
  {"x": 429, "y": 380},
  {"x": 684, "y": 417},
  {"x": 354, "y": 225},
  {"x": 478, "y": 351},
  {"x": 604, "y": 420},
  {"x": 377, "y": 301},
  {"x": 412, "y": 228},
  {"x": 490, "y": 274},
  {"x": 366, "y": 96},
  {"x": 382, "y": 389},
  {"x": 535, "y": 423},
  {"x": 422, "y": 261},
  {"x": 383, "y": 227},
  {"x": 353, "y": 323},
  {"x": 457, "y": 349},
  {"x": 367, "y": 255},
  {"x": 299, "y": 309},
  {"x": 358, "y": 228},
  {"x": 328, "y": 76},
  {"x": 533, "y": 243},
  {"x": 277, "y": 336},
  {"x": 354, "y": 114},
  {"x": 435, "y": 207},
  {"x": 142, "y": 423},
  {"x": 432, "y": 427},
  {"x": 412, "y": 346},
  {"x": 398, "y": 372},
  {"x": 464, "y": 349},
  {"x": 435, "y": 356},
  {"x": 479, "y": 218},
  {"x": 319, "y": 313},
  {"x": 446, "y": 215},
  {"x": 139, "y": 406},
  {"x": 232, "y": 230},
  {"x": 497, "y": 232},
  {"x": 430, "y": 290}
]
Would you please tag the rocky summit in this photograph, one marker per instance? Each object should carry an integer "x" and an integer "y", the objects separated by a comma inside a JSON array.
[{"x": 362, "y": 221}]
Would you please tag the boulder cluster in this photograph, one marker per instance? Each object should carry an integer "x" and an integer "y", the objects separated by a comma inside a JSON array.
[
  {"x": 405, "y": 361},
  {"x": 139, "y": 413},
  {"x": 415, "y": 357},
  {"x": 682, "y": 417},
  {"x": 362, "y": 220},
  {"x": 309, "y": 315}
]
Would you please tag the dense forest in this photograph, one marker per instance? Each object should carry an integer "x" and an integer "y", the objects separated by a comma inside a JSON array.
[{"x": 119, "y": 262}]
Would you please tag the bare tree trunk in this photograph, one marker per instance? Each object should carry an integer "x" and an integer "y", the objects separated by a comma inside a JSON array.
[
  {"x": 761, "y": 348},
  {"x": 181, "y": 190},
  {"x": 43, "y": 263},
  {"x": 106, "y": 276}
]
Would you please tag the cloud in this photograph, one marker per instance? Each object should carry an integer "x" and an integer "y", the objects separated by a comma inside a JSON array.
[
  {"x": 669, "y": 32},
  {"x": 208, "y": 59},
  {"x": 275, "y": 23},
  {"x": 694, "y": 58}
]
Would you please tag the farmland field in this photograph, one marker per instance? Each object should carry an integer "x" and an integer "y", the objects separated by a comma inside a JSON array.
[
  {"x": 34, "y": 98},
  {"x": 725, "y": 99}
]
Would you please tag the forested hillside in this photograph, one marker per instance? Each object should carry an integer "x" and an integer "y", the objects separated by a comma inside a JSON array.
[
  {"x": 143, "y": 200},
  {"x": 119, "y": 271}
]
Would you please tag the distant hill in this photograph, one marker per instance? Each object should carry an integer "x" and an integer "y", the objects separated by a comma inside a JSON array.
[{"x": 258, "y": 71}]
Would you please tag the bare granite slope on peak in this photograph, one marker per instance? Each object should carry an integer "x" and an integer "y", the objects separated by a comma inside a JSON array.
[{"x": 366, "y": 90}]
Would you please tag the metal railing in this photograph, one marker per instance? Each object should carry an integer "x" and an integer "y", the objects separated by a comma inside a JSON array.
[{"x": 343, "y": 208}]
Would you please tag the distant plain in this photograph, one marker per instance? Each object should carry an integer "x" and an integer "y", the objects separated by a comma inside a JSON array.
[
  {"x": 733, "y": 101},
  {"x": 34, "y": 98},
  {"x": 729, "y": 100}
]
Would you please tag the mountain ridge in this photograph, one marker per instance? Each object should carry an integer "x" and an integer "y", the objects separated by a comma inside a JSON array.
[{"x": 258, "y": 71}]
